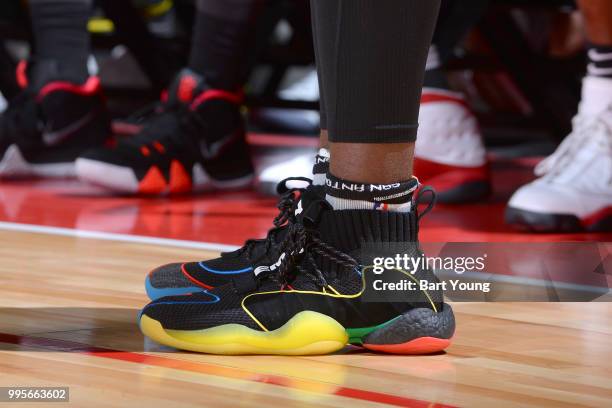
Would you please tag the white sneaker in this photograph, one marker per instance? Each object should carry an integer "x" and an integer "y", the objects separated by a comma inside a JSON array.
[
  {"x": 449, "y": 153},
  {"x": 574, "y": 188},
  {"x": 306, "y": 89},
  {"x": 300, "y": 166}
]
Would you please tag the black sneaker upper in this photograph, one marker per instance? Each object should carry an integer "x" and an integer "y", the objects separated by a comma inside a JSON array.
[
  {"x": 221, "y": 270},
  {"x": 53, "y": 120},
  {"x": 321, "y": 268},
  {"x": 194, "y": 125}
]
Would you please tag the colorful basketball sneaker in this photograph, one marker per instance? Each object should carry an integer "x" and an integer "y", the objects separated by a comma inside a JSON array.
[
  {"x": 573, "y": 191},
  {"x": 50, "y": 123},
  {"x": 189, "y": 277},
  {"x": 319, "y": 295},
  {"x": 449, "y": 153},
  {"x": 196, "y": 142}
]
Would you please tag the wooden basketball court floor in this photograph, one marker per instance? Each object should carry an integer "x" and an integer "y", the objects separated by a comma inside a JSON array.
[{"x": 72, "y": 265}]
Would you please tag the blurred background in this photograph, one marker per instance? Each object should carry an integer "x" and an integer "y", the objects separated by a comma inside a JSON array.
[{"x": 520, "y": 66}]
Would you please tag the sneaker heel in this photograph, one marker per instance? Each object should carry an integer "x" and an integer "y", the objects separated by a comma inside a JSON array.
[{"x": 419, "y": 331}]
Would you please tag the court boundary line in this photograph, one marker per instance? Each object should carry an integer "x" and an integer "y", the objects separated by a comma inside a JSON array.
[
  {"x": 215, "y": 246},
  {"x": 117, "y": 237},
  {"x": 528, "y": 281}
]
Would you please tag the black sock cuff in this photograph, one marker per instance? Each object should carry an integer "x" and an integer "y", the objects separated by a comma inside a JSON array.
[
  {"x": 393, "y": 193},
  {"x": 349, "y": 229}
]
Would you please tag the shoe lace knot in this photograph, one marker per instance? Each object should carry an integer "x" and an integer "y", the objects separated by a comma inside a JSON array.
[
  {"x": 286, "y": 205},
  {"x": 289, "y": 197},
  {"x": 585, "y": 129}
]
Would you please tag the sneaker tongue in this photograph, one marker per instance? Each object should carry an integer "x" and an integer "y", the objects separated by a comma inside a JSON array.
[
  {"x": 309, "y": 195},
  {"x": 185, "y": 87}
]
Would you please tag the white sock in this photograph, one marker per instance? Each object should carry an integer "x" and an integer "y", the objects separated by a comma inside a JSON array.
[
  {"x": 321, "y": 167},
  {"x": 349, "y": 195},
  {"x": 596, "y": 95}
]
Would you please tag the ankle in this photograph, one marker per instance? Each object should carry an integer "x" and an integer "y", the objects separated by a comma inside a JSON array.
[
  {"x": 324, "y": 140},
  {"x": 372, "y": 163}
]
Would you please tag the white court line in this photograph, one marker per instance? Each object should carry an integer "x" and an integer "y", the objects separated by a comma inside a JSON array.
[
  {"x": 525, "y": 281},
  {"x": 213, "y": 246},
  {"x": 109, "y": 236}
]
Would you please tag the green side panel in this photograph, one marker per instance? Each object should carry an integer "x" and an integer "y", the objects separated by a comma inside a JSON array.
[{"x": 357, "y": 334}]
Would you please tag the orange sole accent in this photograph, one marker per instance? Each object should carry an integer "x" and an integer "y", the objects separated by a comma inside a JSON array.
[
  {"x": 153, "y": 182},
  {"x": 422, "y": 345},
  {"x": 180, "y": 181}
]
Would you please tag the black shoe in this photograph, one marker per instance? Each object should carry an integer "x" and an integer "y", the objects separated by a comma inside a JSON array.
[
  {"x": 49, "y": 124},
  {"x": 195, "y": 142},
  {"x": 314, "y": 298},
  {"x": 183, "y": 278}
]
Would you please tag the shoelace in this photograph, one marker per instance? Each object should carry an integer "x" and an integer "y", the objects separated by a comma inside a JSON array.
[
  {"x": 286, "y": 206},
  {"x": 289, "y": 198},
  {"x": 301, "y": 244},
  {"x": 584, "y": 128}
]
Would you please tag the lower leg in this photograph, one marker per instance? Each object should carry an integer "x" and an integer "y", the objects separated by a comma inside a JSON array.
[
  {"x": 454, "y": 22},
  {"x": 61, "y": 40},
  {"x": 224, "y": 40},
  {"x": 598, "y": 16},
  {"x": 372, "y": 78},
  {"x": 318, "y": 45},
  {"x": 377, "y": 163},
  {"x": 323, "y": 139}
]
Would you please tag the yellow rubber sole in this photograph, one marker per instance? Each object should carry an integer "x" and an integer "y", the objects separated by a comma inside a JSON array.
[{"x": 307, "y": 333}]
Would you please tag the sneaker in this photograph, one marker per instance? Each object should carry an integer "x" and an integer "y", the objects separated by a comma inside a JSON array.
[
  {"x": 449, "y": 154},
  {"x": 50, "y": 123},
  {"x": 300, "y": 166},
  {"x": 196, "y": 142},
  {"x": 312, "y": 299},
  {"x": 296, "y": 120},
  {"x": 573, "y": 191},
  {"x": 268, "y": 179},
  {"x": 183, "y": 278}
]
